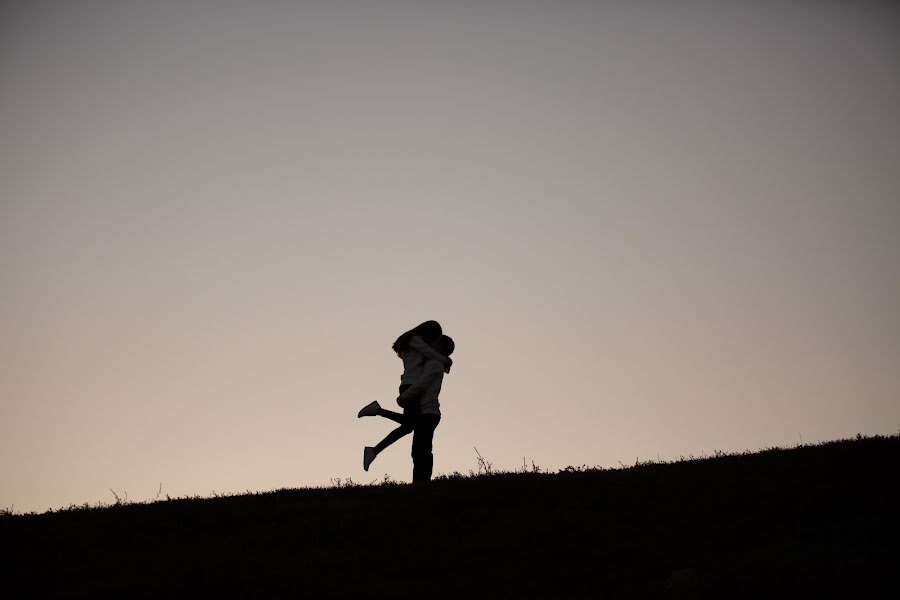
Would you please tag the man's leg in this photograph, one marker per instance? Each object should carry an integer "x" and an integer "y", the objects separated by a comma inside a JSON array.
[{"x": 423, "y": 437}]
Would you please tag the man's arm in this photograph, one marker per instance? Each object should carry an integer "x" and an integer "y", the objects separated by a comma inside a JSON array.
[
  {"x": 419, "y": 345},
  {"x": 432, "y": 369}
]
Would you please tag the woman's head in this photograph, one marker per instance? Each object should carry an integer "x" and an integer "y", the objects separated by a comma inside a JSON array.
[{"x": 429, "y": 331}]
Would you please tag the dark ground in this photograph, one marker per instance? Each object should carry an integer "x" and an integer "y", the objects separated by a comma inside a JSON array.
[{"x": 817, "y": 521}]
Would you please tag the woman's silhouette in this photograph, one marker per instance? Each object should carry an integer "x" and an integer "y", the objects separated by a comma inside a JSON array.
[{"x": 415, "y": 349}]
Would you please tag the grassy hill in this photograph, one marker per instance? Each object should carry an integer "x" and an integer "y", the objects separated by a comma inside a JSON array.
[{"x": 815, "y": 520}]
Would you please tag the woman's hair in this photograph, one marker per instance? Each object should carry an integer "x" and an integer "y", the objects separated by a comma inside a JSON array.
[{"x": 428, "y": 331}]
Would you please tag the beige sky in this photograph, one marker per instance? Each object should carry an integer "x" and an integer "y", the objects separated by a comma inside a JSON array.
[{"x": 652, "y": 232}]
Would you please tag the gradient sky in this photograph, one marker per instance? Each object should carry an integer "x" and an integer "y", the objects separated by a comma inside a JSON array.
[{"x": 652, "y": 230}]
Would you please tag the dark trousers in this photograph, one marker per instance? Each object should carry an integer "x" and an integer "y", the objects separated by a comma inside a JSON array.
[
  {"x": 406, "y": 421},
  {"x": 423, "y": 437},
  {"x": 422, "y": 427}
]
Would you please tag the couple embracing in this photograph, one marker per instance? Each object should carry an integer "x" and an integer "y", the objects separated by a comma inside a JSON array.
[{"x": 425, "y": 352}]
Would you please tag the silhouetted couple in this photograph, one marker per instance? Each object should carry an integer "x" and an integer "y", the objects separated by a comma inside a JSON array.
[{"x": 425, "y": 352}]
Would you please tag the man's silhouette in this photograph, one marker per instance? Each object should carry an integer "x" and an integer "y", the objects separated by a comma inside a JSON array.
[{"x": 421, "y": 415}]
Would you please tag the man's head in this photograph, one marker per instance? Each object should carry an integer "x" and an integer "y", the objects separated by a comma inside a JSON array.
[{"x": 444, "y": 344}]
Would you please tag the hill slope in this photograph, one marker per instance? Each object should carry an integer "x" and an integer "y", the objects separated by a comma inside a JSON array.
[{"x": 810, "y": 520}]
